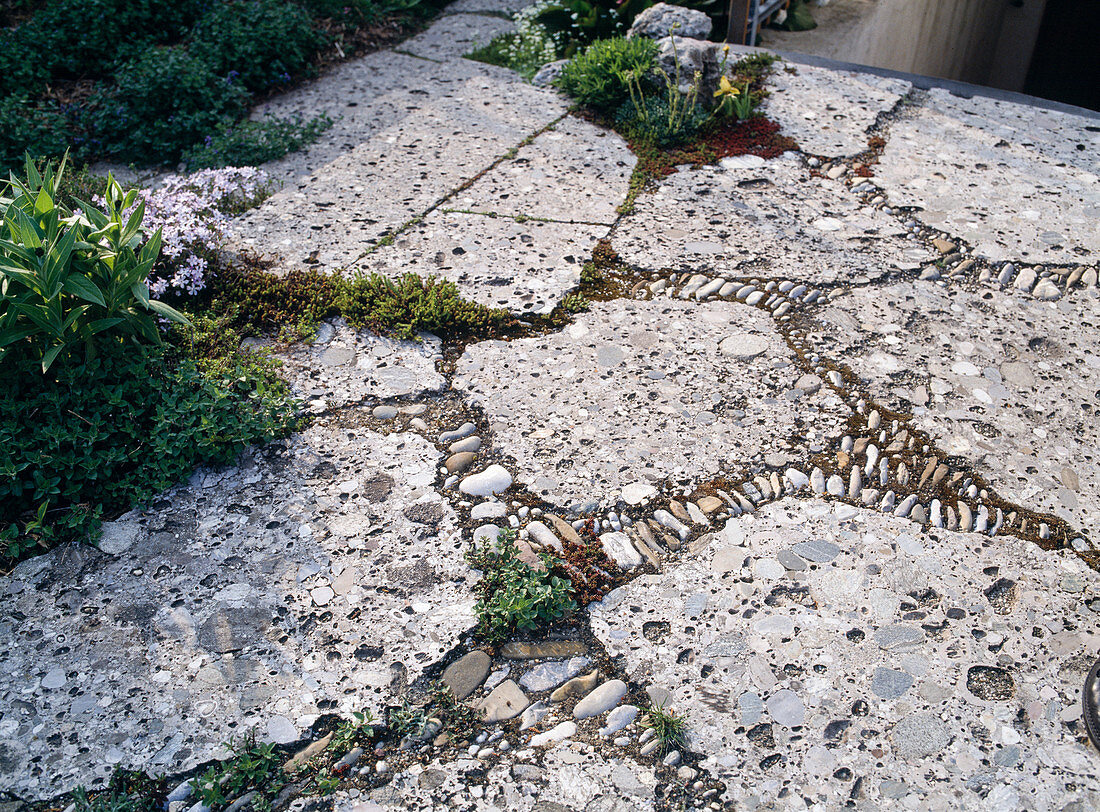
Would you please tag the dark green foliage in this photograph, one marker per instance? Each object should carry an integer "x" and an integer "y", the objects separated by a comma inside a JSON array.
[
  {"x": 599, "y": 76},
  {"x": 250, "y": 143},
  {"x": 166, "y": 100},
  {"x": 256, "y": 301},
  {"x": 514, "y": 596},
  {"x": 354, "y": 732},
  {"x": 586, "y": 21},
  {"x": 27, "y": 125},
  {"x": 669, "y": 726},
  {"x": 659, "y": 122},
  {"x": 100, "y": 436},
  {"x": 259, "y": 43},
  {"x": 412, "y": 305},
  {"x": 253, "y": 766},
  {"x": 127, "y": 791}
]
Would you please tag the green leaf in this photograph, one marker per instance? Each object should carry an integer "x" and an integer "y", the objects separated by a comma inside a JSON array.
[
  {"x": 80, "y": 286},
  {"x": 168, "y": 312},
  {"x": 51, "y": 355}
]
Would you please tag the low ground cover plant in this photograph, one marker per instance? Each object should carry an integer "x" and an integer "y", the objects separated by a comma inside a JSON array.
[
  {"x": 514, "y": 596},
  {"x": 150, "y": 80}
]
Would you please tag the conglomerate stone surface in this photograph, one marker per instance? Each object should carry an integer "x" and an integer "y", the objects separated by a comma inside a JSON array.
[
  {"x": 1007, "y": 381},
  {"x": 731, "y": 426},
  {"x": 769, "y": 216},
  {"x": 835, "y": 654},
  {"x": 598, "y": 401},
  {"x": 316, "y": 576}
]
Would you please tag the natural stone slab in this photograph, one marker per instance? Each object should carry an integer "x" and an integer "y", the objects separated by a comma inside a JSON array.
[
  {"x": 996, "y": 363},
  {"x": 352, "y": 365},
  {"x": 828, "y": 112},
  {"x": 774, "y": 215},
  {"x": 557, "y": 402},
  {"x": 525, "y": 267},
  {"x": 217, "y": 596},
  {"x": 575, "y": 171},
  {"x": 919, "y": 704},
  {"x": 1012, "y": 198},
  {"x": 454, "y": 35}
]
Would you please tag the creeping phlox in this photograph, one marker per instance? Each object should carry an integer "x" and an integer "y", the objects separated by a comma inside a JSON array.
[{"x": 193, "y": 213}]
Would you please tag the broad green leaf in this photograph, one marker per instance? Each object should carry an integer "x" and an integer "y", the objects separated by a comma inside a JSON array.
[
  {"x": 99, "y": 325},
  {"x": 79, "y": 285},
  {"x": 168, "y": 312},
  {"x": 50, "y": 356}
]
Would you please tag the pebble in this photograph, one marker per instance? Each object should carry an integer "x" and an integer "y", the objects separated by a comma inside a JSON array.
[
  {"x": 506, "y": 701},
  {"x": 637, "y": 492},
  {"x": 787, "y": 708},
  {"x": 465, "y": 430},
  {"x": 600, "y": 700},
  {"x": 557, "y": 733},
  {"x": 465, "y": 674},
  {"x": 472, "y": 443},
  {"x": 578, "y": 686},
  {"x": 618, "y": 719},
  {"x": 492, "y": 480},
  {"x": 550, "y": 675},
  {"x": 533, "y": 714},
  {"x": 384, "y": 412}
]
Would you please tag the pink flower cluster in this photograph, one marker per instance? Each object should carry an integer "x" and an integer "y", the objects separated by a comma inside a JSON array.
[{"x": 193, "y": 213}]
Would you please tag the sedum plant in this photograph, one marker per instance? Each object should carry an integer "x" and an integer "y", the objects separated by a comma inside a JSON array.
[{"x": 73, "y": 280}]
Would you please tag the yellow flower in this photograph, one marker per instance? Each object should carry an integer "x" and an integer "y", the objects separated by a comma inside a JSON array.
[{"x": 725, "y": 88}]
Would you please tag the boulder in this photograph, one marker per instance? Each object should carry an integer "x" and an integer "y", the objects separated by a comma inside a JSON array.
[
  {"x": 548, "y": 74},
  {"x": 658, "y": 21},
  {"x": 692, "y": 55}
]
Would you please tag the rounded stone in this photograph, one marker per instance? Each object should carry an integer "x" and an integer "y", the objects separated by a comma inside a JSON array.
[
  {"x": 602, "y": 699},
  {"x": 492, "y": 480},
  {"x": 743, "y": 346}
]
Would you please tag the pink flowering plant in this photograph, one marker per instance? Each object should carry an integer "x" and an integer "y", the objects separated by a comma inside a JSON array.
[{"x": 192, "y": 213}]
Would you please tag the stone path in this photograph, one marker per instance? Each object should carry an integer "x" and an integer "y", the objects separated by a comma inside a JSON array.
[{"x": 832, "y": 416}]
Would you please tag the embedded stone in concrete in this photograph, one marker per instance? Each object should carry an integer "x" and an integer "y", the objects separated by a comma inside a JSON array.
[
  {"x": 216, "y": 597},
  {"x": 989, "y": 367},
  {"x": 807, "y": 657},
  {"x": 505, "y": 702},
  {"x": 599, "y": 401},
  {"x": 828, "y": 112},
  {"x": 774, "y": 216},
  {"x": 998, "y": 186}
]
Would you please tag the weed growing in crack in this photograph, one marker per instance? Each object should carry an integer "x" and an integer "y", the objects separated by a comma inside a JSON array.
[
  {"x": 354, "y": 732},
  {"x": 127, "y": 791},
  {"x": 513, "y": 595},
  {"x": 253, "y": 767},
  {"x": 669, "y": 726},
  {"x": 440, "y": 712},
  {"x": 575, "y": 303}
]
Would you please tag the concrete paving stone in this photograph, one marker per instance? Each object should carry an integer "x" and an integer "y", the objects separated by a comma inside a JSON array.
[
  {"x": 207, "y": 625},
  {"x": 1003, "y": 380},
  {"x": 772, "y": 219},
  {"x": 486, "y": 6},
  {"x": 576, "y": 171},
  {"x": 353, "y": 365},
  {"x": 453, "y": 36},
  {"x": 638, "y": 390},
  {"x": 525, "y": 267},
  {"x": 850, "y": 698},
  {"x": 1011, "y": 198},
  {"x": 331, "y": 218},
  {"x": 828, "y": 112}
]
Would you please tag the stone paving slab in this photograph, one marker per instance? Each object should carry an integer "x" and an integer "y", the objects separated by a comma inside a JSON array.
[
  {"x": 772, "y": 214},
  {"x": 828, "y": 112},
  {"x": 1010, "y": 199},
  {"x": 525, "y": 267},
  {"x": 1062, "y": 137},
  {"x": 317, "y": 578},
  {"x": 877, "y": 664},
  {"x": 1007, "y": 382},
  {"x": 342, "y": 366},
  {"x": 455, "y": 35},
  {"x": 575, "y": 172},
  {"x": 642, "y": 392},
  {"x": 508, "y": 7},
  {"x": 330, "y": 219}
]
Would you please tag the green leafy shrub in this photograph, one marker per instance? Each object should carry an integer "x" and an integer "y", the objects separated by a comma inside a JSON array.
[
  {"x": 111, "y": 432},
  {"x": 257, "y": 301},
  {"x": 166, "y": 101},
  {"x": 575, "y": 23},
  {"x": 512, "y": 595},
  {"x": 411, "y": 305},
  {"x": 40, "y": 128},
  {"x": 70, "y": 280},
  {"x": 260, "y": 43},
  {"x": 599, "y": 76},
  {"x": 250, "y": 143}
]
